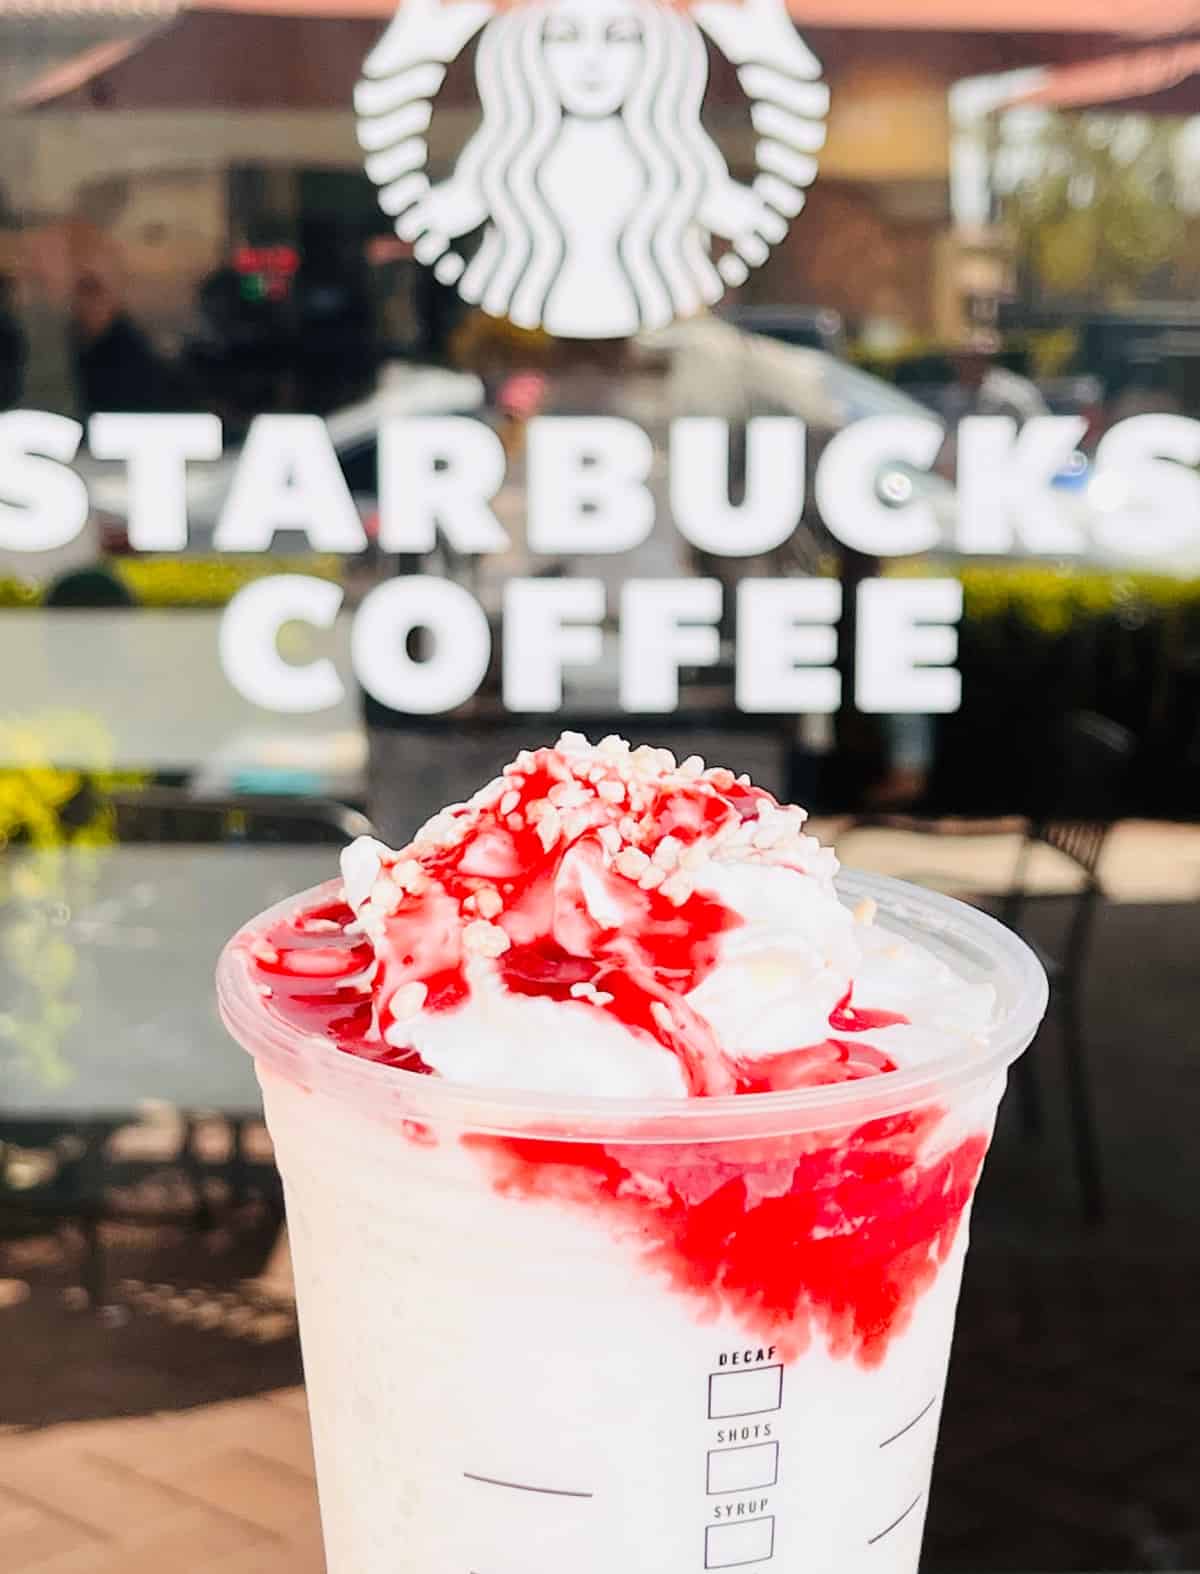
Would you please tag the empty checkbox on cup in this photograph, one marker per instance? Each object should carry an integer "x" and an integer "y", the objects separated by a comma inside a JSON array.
[
  {"x": 743, "y": 1541},
  {"x": 743, "y": 1469},
  {"x": 749, "y": 1393}
]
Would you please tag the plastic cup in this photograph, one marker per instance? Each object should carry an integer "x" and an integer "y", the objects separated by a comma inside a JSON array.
[{"x": 624, "y": 1337}]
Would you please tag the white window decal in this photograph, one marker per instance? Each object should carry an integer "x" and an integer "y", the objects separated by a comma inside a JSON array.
[{"x": 589, "y": 198}]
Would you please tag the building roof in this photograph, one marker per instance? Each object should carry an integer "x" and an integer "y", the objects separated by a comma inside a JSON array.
[
  {"x": 1150, "y": 18},
  {"x": 1144, "y": 17},
  {"x": 89, "y": 65},
  {"x": 210, "y": 51},
  {"x": 71, "y": 11},
  {"x": 212, "y": 57},
  {"x": 1159, "y": 79}
]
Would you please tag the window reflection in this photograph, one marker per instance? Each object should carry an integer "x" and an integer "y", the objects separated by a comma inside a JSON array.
[{"x": 1001, "y": 227}]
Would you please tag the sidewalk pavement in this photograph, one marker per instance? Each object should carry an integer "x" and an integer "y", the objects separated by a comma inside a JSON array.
[
  {"x": 1144, "y": 861},
  {"x": 225, "y": 1489}
]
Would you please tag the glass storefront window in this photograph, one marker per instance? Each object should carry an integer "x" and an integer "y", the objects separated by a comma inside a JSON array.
[
  {"x": 387, "y": 386},
  {"x": 224, "y": 212}
]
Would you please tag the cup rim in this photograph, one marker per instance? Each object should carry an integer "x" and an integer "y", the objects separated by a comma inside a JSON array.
[{"x": 939, "y": 922}]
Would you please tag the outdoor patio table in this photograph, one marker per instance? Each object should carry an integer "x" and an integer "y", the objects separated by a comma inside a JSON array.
[
  {"x": 106, "y": 974},
  {"x": 107, "y": 1015}
]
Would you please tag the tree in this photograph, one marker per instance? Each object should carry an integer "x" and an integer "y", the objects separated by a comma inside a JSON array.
[{"x": 1094, "y": 203}]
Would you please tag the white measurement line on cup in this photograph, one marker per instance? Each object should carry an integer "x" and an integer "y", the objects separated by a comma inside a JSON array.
[
  {"x": 524, "y": 1486},
  {"x": 919, "y": 1417},
  {"x": 896, "y": 1523}
]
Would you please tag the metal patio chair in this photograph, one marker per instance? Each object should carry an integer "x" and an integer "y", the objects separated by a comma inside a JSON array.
[{"x": 1083, "y": 795}]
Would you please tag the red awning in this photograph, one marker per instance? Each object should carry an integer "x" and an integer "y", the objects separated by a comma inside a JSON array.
[
  {"x": 318, "y": 10},
  {"x": 63, "y": 80},
  {"x": 212, "y": 53},
  {"x": 1149, "y": 18},
  {"x": 1162, "y": 79},
  {"x": 75, "y": 11},
  {"x": 275, "y": 54}
]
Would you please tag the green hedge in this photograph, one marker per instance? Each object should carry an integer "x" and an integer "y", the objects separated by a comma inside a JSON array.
[
  {"x": 1049, "y": 599},
  {"x": 184, "y": 582},
  {"x": 212, "y": 581}
]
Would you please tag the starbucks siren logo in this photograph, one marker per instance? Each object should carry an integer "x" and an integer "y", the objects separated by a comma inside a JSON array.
[{"x": 591, "y": 181}]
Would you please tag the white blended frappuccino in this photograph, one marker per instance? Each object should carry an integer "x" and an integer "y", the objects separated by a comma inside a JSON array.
[{"x": 628, "y": 1152}]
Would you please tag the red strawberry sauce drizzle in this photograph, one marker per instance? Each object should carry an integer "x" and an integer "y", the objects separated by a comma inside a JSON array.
[
  {"x": 849, "y": 1018},
  {"x": 313, "y": 971},
  {"x": 651, "y": 951},
  {"x": 315, "y": 966},
  {"x": 832, "y": 1235}
]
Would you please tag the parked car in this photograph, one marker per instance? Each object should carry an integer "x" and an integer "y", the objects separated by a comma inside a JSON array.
[{"x": 806, "y": 327}]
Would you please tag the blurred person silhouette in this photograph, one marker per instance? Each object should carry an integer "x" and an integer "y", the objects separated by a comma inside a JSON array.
[
  {"x": 519, "y": 399},
  {"x": 14, "y": 346},
  {"x": 439, "y": 310},
  {"x": 94, "y": 587},
  {"x": 334, "y": 345},
  {"x": 984, "y": 385},
  {"x": 115, "y": 365},
  {"x": 1146, "y": 390},
  {"x": 236, "y": 351}
]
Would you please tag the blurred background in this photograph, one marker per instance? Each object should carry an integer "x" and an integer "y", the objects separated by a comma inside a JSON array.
[{"x": 1006, "y": 222}]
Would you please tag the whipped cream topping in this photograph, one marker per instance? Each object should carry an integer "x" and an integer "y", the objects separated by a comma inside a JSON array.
[{"x": 604, "y": 920}]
